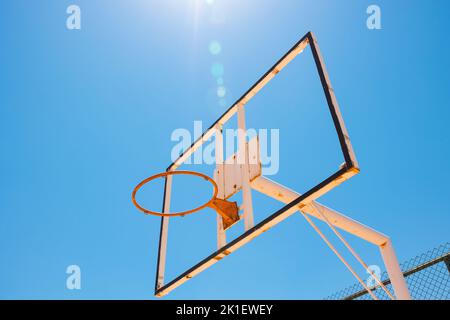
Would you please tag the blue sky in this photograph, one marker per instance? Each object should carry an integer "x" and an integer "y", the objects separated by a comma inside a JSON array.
[{"x": 86, "y": 114}]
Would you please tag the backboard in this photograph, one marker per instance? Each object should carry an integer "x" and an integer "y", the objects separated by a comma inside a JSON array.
[{"x": 241, "y": 173}]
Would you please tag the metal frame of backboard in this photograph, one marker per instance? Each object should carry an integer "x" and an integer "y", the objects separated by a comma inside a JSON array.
[{"x": 303, "y": 201}]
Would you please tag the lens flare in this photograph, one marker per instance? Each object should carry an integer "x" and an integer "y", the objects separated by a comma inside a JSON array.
[
  {"x": 217, "y": 70},
  {"x": 215, "y": 48},
  {"x": 221, "y": 91}
]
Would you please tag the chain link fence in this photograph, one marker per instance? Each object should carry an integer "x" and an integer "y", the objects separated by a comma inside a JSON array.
[{"x": 427, "y": 276}]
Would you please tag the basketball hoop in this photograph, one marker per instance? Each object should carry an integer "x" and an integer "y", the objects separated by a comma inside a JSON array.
[{"x": 228, "y": 210}]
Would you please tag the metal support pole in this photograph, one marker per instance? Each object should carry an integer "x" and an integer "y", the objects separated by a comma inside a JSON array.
[
  {"x": 242, "y": 160},
  {"x": 161, "y": 265},
  {"x": 221, "y": 235},
  {"x": 395, "y": 273},
  {"x": 286, "y": 195},
  {"x": 347, "y": 224}
]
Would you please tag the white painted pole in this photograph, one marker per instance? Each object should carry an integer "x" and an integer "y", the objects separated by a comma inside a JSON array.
[
  {"x": 164, "y": 233},
  {"x": 395, "y": 273},
  {"x": 353, "y": 252},
  {"x": 286, "y": 195},
  {"x": 242, "y": 160},
  {"x": 349, "y": 267},
  {"x": 221, "y": 235}
]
